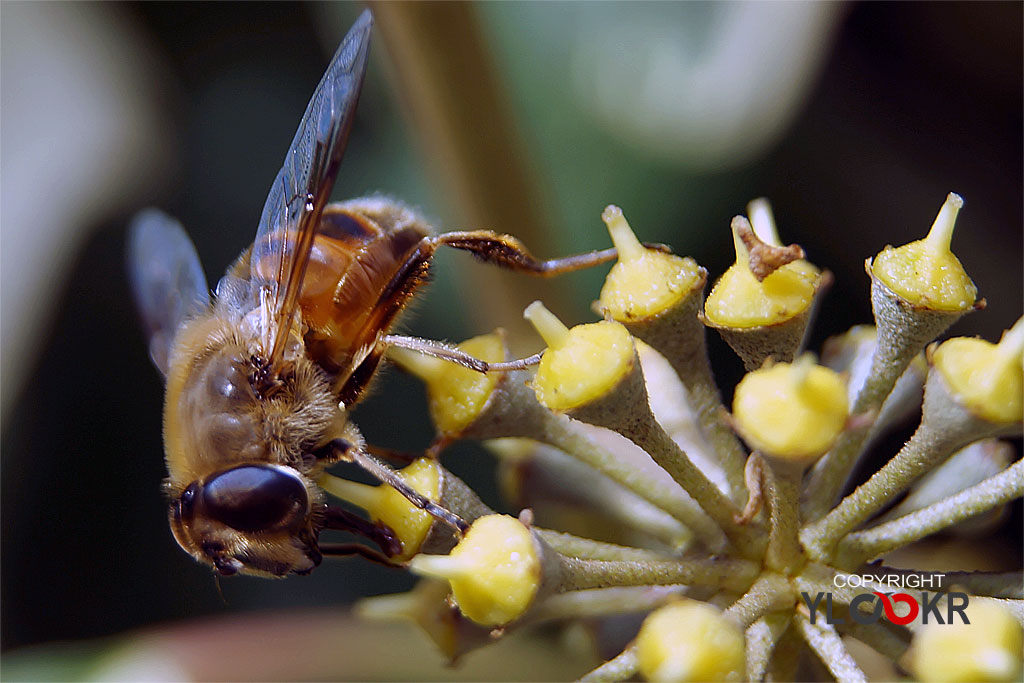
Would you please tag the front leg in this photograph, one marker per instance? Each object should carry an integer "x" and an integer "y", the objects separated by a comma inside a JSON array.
[
  {"x": 508, "y": 252},
  {"x": 429, "y": 347}
]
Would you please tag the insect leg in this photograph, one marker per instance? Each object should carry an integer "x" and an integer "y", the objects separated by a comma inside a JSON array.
[
  {"x": 393, "y": 479},
  {"x": 392, "y": 454},
  {"x": 342, "y": 520},
  {"x": 359, "y": 381},
  {"x": 508, "y": 252},
  {"x": 341, "y": 549},
  {"x": 451, "y": 354}
]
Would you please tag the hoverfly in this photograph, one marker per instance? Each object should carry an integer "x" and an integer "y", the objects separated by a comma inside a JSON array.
[{"x": 260, "y": 380}]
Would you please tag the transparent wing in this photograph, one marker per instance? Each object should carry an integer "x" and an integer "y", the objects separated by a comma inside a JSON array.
[
  {"x": 166, "y": 278},
  {"x": 303, "y": 186}
]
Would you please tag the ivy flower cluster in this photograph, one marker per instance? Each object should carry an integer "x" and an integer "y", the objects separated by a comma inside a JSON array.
[{"x": 717, "y": 524}]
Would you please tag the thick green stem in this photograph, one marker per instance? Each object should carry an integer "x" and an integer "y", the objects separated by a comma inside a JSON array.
[
  {"x": 579, "y": 574},
  {"x": 518, "y": 414},
  {"x": 829, "y": 647},
  {"x": 641, "y": 428},
  {"x": 585, "y": 548},
  {"x": 880, "y": 636},
  {"x": 770, "y": 593},
  {"x": 994, "y": 491},
  {"x": 761, "y": 638},
  {"x": 622, "y": 667},
  {"x": 625, "y": 409},
  {"x": 945, "y": 428},
  {"x": 783, "y": 497},
  {"x": 599, "y": 602},
  {"x": 471, "y": 141},
  {"x": 903, "y": 332},
  {"x": 559, "y": 432},
  {"x": 679, "y": 336},
  {"x": 706, "y": 402}
]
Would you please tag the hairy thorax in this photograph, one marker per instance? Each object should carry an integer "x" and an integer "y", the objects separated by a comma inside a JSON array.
[{"x": 216, "y": 417}]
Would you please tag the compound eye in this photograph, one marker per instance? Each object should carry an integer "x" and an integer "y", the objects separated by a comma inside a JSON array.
[{"x": 255, "y": 498}]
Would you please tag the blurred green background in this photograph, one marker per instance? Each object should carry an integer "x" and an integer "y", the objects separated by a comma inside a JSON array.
[{"x": 855, "y": 120}]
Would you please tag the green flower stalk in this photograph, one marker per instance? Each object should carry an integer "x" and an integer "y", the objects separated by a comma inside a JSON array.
[
  {"x": 592, "y": 373},
  {"x": 992, "y": 492},
  {"x": 657, "y": 296},
  {"x": 969, "y": 466},
  {"x": 917, "y": 291},
  {"x": 511, "y": 409},
  {"x": 502, "y": 566},
  {"x": 543, "y": 478},
  {"x": 852, "y": 353},
  {"x": 790, "y": 413},
  {"x": 956, "y": 412}
]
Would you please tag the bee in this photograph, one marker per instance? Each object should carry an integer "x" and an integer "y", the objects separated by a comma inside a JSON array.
[{"x": 261, "y": 379}]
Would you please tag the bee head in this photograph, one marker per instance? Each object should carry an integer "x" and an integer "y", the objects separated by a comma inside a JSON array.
[{"x": 251, "y": 519}]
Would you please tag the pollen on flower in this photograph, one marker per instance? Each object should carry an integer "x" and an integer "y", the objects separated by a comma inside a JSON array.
[
  {"x": 581, "y": 364},
  {"x": 926, "y": 273},
  {"x": 988, "y": 378},
  {"x": 644, "y": 282},
  {"x": 791, "y": 410},
  {"x": 456, "y": 394},
  {"x": 494, "y": 571}
]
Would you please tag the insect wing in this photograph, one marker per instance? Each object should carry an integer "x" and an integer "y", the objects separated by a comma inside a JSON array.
[
  {"x": 303, "y": 186},
  {"x": 166, "y": 278}
]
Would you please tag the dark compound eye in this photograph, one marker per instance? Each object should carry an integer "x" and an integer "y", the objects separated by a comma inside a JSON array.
[{"x": 255, "y": 498}]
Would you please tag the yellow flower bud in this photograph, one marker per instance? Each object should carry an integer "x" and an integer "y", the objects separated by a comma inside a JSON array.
[
  {"x": 582, "y": 364},
  {"x": 926, "y": 273},
  {"x": 739, "y": 300},
  {"x": 791, "y": 410},
  {"x": 645, "y": 282},
  {"x": 457, "y": 395},
  {"x": 690, "y": 641},
  {"x": 987, "y": 649},
  {"x": 385, "y": 504},
  {"x": 987, "y": 378},
  {"x": 494, "y": 571}
]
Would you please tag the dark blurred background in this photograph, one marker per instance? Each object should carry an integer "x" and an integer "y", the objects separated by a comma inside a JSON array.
[{"x": 855, "y": 120}]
